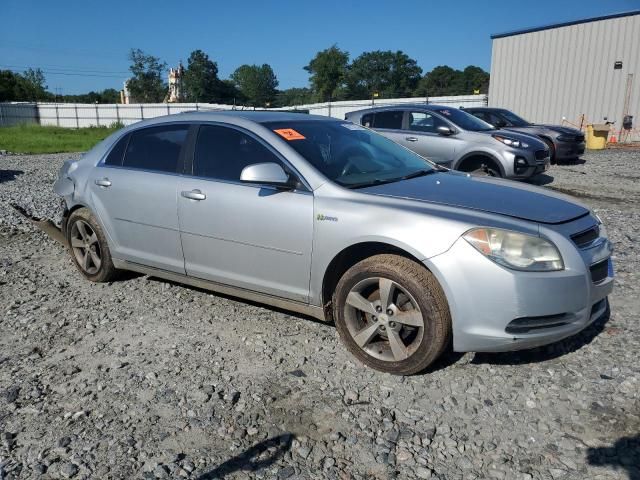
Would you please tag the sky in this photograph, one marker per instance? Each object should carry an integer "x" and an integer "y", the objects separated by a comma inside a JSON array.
[{"x": 83, "y": 45}]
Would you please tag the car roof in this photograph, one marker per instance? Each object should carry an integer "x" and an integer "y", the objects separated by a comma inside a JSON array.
[
  {"x": 429, "y": 107},
  {"x": 232, "y": 116}
]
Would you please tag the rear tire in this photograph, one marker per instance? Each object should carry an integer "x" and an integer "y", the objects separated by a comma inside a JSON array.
[
  {"x": 392, "y": 314},
  {"x": 88, "y": 247}
]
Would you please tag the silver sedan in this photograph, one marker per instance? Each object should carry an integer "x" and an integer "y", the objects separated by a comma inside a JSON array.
[{"x": 333, "y": 220}]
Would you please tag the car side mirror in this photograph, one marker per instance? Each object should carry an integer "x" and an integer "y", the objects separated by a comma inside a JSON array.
[
  {"x": 500, "y": 123},
  {"x": 267, "y": 174},
  {"x": 444, "y": 130}
]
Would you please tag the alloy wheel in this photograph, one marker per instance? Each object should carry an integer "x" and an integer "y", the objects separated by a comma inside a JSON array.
[
  {"x": 384, "y": 319},
  {"x": 86, "y": 247}
]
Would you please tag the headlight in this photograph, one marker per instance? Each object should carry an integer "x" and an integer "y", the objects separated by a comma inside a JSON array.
[
  {"x": 511, "y": 142},
  {"x": 516, "y": 250}
]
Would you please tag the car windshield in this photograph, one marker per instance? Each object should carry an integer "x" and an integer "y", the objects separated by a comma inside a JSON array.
[
  {"x": 351, "y": 155},
  {"x": 464, "y": 120},
  {"x": 514, "y": 119}
]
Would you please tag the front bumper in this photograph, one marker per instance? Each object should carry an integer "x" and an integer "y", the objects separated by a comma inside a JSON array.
[
  {"x": 569, "y": 150},
  {"x": 537, "y": 161},
  {"x": 485, "y": 298}
]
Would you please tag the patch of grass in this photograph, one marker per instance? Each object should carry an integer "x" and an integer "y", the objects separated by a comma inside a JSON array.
[{"x": 39, "y": 139}]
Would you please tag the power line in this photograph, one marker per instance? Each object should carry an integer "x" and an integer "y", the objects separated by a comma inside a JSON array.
[
  {"x": 72, "y": 74},
  {"x": 69, "y": 69}
]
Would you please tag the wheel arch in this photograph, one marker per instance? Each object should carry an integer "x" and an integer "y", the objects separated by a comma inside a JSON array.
[
  {"x": 479, "y": 155},
  {"x": 351, "y": 255}
]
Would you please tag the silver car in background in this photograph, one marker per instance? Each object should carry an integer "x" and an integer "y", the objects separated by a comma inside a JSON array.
[
  {"x": 565, "y": 143},
  {"x": 458, "y": 140},
  {"x": 333, "y": 220}
]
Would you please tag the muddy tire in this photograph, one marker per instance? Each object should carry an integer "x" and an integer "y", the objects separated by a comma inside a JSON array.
[
  {"x": 392, "y": 314},
  {"x": 88, "y": 247}
]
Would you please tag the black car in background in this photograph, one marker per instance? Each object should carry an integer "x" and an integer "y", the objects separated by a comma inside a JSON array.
[{"x": 564, "y": 143}]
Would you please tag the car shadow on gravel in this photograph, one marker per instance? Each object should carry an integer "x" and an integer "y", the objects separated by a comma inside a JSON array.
[
  {"x": 624, "y": 454},
  {"x": 540, "y": 180},
  {"x": 548, "y": 352},
  {"x": 258, "y": 457},
  {"x": 8, "y": 175}
]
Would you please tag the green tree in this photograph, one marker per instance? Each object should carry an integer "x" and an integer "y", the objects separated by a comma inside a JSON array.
[
  {"x": 146, "y": 84},
  {"x": 35, "y": 85},
  {"x": 109, "y": 95},
  {"x": 256, "y": 83},
  {"x": 390, "y": 74},
  {"x": 294, "y": 96},
  {"x": 328, "y": 70},
  {"x": 201, "y": 82},
  {"x": 442, "y": 80},
  {"x": 29, "y": 86},
  {"x": 11, "y": 86},
  {"x": 475, "y": 78}
]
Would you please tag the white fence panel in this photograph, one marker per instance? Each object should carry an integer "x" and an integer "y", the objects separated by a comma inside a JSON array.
[{"x": 79, "y": 115}]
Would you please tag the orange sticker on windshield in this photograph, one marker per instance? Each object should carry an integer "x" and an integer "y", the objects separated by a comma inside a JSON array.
[{"x": 289, "y": 134}]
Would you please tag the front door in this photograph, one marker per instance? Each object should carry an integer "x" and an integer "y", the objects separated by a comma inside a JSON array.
[
  {"x": 134, "y": 194},
  {"x": 423, "y": 137},
  {"x": 250, "y": 236}
]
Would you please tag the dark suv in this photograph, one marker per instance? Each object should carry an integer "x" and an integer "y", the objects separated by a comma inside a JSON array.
[{"x": 564, "y": 143}]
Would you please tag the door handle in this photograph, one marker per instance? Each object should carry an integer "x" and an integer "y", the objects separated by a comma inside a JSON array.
[
  {"x": 411, "y": 139},
  {"x": 103, "y": 182},
  {"x": 193, "y": 195}
]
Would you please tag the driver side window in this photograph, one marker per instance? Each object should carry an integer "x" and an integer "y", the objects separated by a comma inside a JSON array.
[
  {"x": 222, "y": 153},
  {"x": 425, "y": 122}
]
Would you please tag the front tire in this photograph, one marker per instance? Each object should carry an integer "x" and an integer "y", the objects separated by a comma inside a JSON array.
[
  {"x": 392, "y": 314},
  {"x": 552, "y": 151},
  {"x": 88, "y": 247}
]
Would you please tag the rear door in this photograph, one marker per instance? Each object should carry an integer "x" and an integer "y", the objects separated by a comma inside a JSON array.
[
  {"x": 386, "y": 122},
  {"x": 134, "y": 194},
  {"x": 250, "y": 236},
  {"x": 421, "y": 136}
]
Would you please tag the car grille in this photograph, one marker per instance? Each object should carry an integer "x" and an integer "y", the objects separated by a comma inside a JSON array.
[
  {"x": 599, "y": 271},
  {"x": 586, "y": 236},
  {"x": 542, "y": 154}
]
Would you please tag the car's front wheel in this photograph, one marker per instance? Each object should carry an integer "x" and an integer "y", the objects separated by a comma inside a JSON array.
[
  {"x": 88, "y": 247},
  {"x": 392, "y": 314}
]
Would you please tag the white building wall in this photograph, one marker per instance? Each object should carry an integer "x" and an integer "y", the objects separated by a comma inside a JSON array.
[{"x": 568, "y": 71}]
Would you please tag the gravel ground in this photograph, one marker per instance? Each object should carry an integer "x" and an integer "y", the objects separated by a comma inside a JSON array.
[{"x": 146, "y": 379}]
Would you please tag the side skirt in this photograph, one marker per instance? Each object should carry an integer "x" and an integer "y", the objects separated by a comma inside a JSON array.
[{"x": 278, "y": 302}]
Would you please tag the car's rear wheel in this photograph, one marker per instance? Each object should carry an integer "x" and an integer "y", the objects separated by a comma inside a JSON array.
[
  {"x": 88, "y": 247},
  {"x": 392, "y": 314}
]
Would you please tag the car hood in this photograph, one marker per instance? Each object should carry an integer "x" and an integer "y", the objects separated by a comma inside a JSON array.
[
  {"x": 523, "y": 135},
  {"x": 535, "y": 128},
  {"x": 502, "y": 197}
]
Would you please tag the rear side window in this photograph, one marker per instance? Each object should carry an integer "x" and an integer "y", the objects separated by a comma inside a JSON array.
[
  {"x": 367, "y": 120},
  {"x": 481, "y": 115},
  {"x": 117, "y": 152},
  {"x": 156, "y": 148},
  {"x": 391, "y": 119},
  {"x": 222, "y": 153}
]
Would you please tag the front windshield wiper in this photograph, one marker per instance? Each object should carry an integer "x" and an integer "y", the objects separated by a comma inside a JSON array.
[
  {"x": 419, "y": 173},
  {"x": 377, "y": 181}
]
